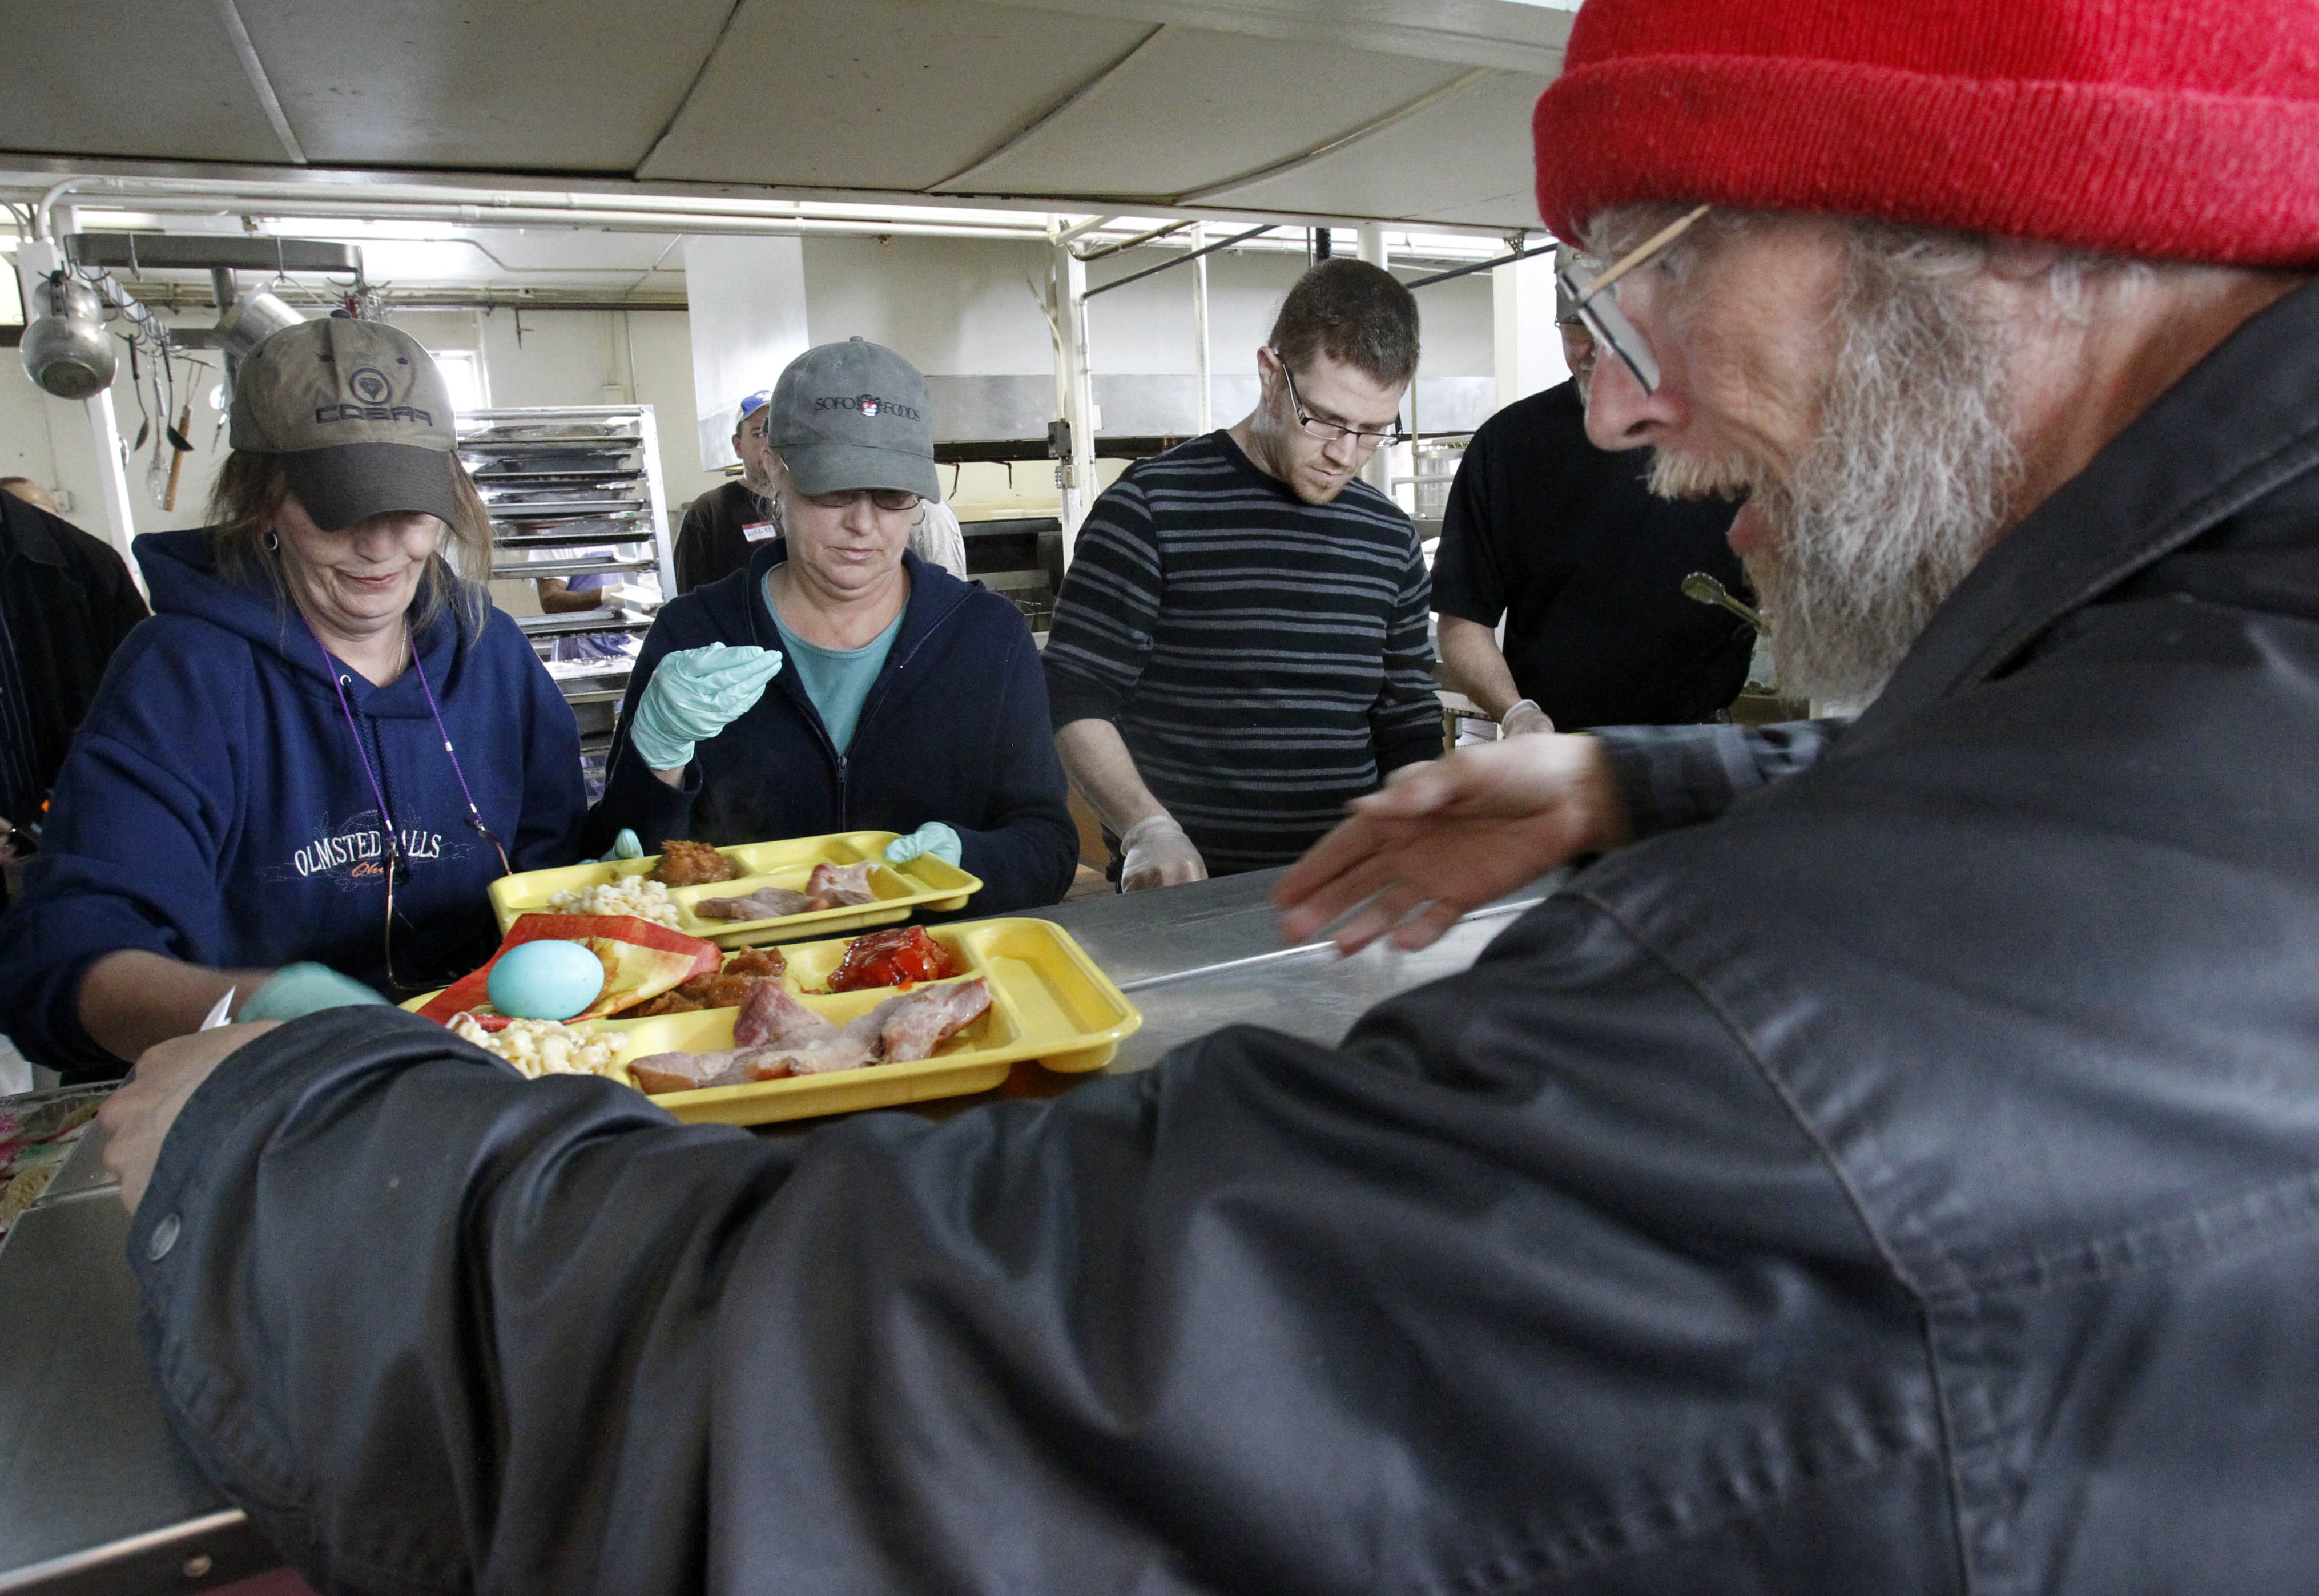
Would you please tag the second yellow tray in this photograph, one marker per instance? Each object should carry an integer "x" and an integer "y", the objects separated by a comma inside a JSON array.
[
  {"x": 925, "y": 882},
  {"x": 1048, "y": 1001}
]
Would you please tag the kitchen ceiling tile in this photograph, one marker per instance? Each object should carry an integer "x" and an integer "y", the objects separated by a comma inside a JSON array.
[
  {"x": 552, "y": 85},
  {"x": 1194, "y": 108},
  {"x": 1464, "y": 159},
  {"x": 878, "y": 94},
  {"x": 170, "y": 85}
]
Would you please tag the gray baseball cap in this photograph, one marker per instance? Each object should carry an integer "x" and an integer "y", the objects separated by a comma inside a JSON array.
[
  {"x": 358, "y": 414},
  {"x": 854, "y": 415}
]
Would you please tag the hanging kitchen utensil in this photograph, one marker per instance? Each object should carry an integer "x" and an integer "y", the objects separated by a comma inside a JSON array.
[
  {"x": 155, "y": 477},
  {"x": 178, "y": 460},
  {"x": 137, "y": 386},
  {"x": 156, "y": 474}
]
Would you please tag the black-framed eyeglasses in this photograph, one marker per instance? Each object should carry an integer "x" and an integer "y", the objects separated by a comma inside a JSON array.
[
  {"x": 1596, "y": 304},
  {"x": 1333, "y": 431},
  {"x": 893, "y": 500}
]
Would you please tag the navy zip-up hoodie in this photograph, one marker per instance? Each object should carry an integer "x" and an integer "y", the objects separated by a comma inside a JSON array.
[
  {"x": 954, "y": 729},
  {"x": 213, "y": 807}
]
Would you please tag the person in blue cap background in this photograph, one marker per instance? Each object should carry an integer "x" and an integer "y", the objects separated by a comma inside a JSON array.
[
  {"x": 300, "y": 778},
  {"x": 910, "y": 702},
  {"x": 723, "y": 528}
]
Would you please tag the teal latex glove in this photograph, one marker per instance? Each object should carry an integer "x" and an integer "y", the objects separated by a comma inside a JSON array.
[
  {"x": 933, "y": 838},
  {"x": 297, "y": 989},
  {"x": 624, "y": 846},
  {"x": 694, "y": 694}
]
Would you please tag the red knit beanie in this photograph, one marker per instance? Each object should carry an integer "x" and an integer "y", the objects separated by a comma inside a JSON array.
[{"x": 2183, "y": 129}]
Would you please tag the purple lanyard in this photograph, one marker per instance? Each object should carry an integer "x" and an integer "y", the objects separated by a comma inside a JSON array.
[{"x": 393, "y": 836}]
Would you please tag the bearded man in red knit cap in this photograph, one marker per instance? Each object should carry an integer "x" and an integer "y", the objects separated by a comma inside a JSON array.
[{"x": 1905, "y": 1181}]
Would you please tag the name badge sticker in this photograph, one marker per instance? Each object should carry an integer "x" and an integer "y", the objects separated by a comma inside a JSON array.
[{"x": 758, "y": 531}]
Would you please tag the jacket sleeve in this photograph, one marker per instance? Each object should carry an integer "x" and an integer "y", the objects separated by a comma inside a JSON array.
[
  {"x": 132, "y": 849},
  {"x": 1407, "y": 720},
  {"x": 1536, "y": 1283},
  {"x": 1674, "y": 776},
  {"x": 1023, "y": 845},
  {"x": 634, "y": 797},
  {"x": 1101, "y": 633},
  {"x": 554, "y": 797}
]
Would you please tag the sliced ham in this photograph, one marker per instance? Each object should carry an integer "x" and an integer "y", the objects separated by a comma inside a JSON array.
[
  {"x": 835, "y": 885},
  {"x": 830, "y": 887},
  {"x": 780, "y": 1037},
  {"x": 767, "y": 903},
  {"x": 679, "y": 1072},
  {"x": 772, "y": 1015},
  {"x": 912, "y": 1026}
]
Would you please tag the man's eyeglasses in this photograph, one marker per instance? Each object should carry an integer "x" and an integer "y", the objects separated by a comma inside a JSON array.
[
  {"x": 890, "y": 500},
  {"x": 1333, "y": 431},
  {"x": 1599, "y": 309}
]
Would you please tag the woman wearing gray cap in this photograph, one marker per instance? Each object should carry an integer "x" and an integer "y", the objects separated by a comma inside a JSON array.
[
  {"x": 302, "y": 773},
  {"x": 841, "y": 682}
]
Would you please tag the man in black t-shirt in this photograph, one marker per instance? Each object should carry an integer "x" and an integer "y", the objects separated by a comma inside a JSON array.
[
  {"x": 1586, "y": 564},
  {"x": 723, "y": 526}
]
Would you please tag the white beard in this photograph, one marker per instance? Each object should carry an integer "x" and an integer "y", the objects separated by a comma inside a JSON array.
[{"x": 1904, "y": 489}]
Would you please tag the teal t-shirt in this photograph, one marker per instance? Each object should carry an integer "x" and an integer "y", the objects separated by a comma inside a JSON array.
[{"x": 837, "y": 679}]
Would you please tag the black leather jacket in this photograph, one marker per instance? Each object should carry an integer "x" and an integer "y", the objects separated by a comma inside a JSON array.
[
  {"x": 1908, "y": 1182},
  {"x": 68, "y": 601}
]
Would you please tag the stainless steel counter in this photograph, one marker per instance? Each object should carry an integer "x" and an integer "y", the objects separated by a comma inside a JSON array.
[{"x": 94, "y": 1493}]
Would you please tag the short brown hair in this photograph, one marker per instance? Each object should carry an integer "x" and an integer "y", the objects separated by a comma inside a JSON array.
[
  {"x": 1354, "y": 312},
  {"x": 249, "y": 491}
]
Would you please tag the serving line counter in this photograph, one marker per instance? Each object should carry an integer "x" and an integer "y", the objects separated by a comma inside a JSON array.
[{"x": 96, "y": 1497}]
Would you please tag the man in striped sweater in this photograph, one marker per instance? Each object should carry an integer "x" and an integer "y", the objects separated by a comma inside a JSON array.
[{"x": 1239, "y": 645}]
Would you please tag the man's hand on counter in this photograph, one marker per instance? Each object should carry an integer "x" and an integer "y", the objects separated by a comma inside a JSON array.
[
  {"x": 1155, "y": 852},
  {"x": 1445, "y": 837},
  {"x": 137, "y": 1118}
]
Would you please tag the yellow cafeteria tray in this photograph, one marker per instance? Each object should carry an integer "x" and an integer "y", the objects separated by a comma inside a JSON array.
[
  {"x": 925, "y": 882},
  {"x": 1048, "y": 1002}
]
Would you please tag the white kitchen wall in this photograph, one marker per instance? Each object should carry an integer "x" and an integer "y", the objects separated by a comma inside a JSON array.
[{"x": 958, "y": 309}]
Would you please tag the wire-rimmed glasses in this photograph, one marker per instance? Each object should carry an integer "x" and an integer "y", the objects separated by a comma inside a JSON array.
[{"x": 1599, "y": 309}]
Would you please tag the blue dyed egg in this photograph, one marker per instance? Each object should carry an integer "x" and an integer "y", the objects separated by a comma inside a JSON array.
[{"x": 546, "y": 980}]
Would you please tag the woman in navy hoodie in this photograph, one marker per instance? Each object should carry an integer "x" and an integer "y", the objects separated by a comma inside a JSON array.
[
  {"x": 910, "y": 702},
  {"x": 302, "y": 774}
]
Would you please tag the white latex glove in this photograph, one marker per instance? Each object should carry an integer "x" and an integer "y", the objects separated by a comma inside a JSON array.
[
  {"x": 694, "y": 694},
  {"x": 1524, "y": 718},
  {"x": 1155, "y": 852},
  {"x": 933, "y": 838}
]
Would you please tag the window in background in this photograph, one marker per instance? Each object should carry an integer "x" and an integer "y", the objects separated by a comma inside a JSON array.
[
  {"x": 463, "y": 374},
  {"x": 11, "y": 304}
]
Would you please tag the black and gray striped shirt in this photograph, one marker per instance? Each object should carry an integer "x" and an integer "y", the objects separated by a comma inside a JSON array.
[{"x": 1264, "y": 659}]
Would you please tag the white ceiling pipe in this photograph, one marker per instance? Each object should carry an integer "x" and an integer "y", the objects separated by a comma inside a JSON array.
[
  {"x": 562, "y": 220},
  {"x": 291, "y": 198},
  {"x": 654, "y": 225},
  {"x": 299, "y": 198},
  {"x": 43, "y": 226}
]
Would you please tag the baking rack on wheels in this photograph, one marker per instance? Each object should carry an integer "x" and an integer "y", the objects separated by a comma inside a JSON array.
[{"x": 575, "y": 492}]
